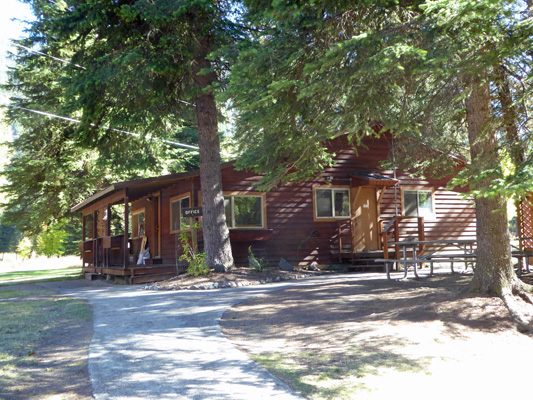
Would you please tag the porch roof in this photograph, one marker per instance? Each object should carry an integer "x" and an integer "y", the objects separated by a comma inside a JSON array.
[
  {"x": 140, "y": 187},
  {"x": 369, "y": 178}
]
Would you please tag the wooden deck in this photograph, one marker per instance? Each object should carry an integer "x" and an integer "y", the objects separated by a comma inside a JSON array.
[{"x": 135, "y": 273}]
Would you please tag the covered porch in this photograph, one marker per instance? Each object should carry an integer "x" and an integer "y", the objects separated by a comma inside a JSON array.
[{"x": 115, "y": 231}]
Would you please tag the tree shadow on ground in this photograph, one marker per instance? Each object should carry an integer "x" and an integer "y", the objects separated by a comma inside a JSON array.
[{"x": 345, "y": 331}]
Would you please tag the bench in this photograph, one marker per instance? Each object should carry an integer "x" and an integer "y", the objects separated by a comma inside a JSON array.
[{"x": 407, "y": 262}]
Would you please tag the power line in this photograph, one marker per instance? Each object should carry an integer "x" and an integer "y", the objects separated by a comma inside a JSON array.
[
  {"x": 71, "y": 63},
  {"x": 187, "y": 146},
  {"x": 46, "y": 55}
]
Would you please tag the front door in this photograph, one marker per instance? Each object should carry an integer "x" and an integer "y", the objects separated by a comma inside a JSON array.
[{"x": 365, "y": 228}]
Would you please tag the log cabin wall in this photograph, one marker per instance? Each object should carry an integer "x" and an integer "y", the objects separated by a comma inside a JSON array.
[
  {"x": 292, "y": 231},
  {"x": 189, "y": 187},
  {"x": 300, "y": 238}
]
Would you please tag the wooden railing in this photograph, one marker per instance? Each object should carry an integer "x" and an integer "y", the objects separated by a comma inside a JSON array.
[
  {"x": 100, "y": 252},
  {"x": 340, "y": 225},
  {"x": 391, "y": 232}
]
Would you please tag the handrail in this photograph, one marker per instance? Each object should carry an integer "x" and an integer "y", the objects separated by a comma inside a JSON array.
[
  {"x": 388, "y": 225},
  {"x": 395, "y": 222}
]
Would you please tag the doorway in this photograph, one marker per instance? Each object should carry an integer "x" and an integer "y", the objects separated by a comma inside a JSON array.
[{"x": 365, "y": 228}]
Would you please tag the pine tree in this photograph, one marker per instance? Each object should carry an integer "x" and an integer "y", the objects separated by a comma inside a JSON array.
[
  {"x": 428, "y": 71},
  {"x": 138, "y": 65}
]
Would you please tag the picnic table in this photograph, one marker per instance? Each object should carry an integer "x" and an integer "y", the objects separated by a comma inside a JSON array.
[
  {"x": 464, "y": 252},
  {"x": 521, "y": 254}
]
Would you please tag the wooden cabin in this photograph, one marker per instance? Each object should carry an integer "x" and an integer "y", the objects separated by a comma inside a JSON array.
[{"x": 348, "y": 214}]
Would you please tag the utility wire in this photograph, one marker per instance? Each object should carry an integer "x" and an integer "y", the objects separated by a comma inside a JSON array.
[
  {"x": 46, "y": 55},
  {"x": 71, "y": 63},
  {"x": 187, "y": 146},
  {"x": 170, "y": 142}
]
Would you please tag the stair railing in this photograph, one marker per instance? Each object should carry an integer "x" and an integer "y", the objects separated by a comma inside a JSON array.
[{"x": 392, "y": 230}]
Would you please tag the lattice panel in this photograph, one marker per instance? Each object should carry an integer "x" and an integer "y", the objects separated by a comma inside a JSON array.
[{"x": 525, "y": 222}]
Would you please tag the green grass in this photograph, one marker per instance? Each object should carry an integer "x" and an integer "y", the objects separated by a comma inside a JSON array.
[
  {"x": 37, "y": 276},
  {"x": 335, "y": 376},
  {"x": 26, "y": 318}
]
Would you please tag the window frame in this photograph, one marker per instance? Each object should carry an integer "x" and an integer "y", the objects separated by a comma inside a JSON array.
[
  {"x": 333, "y": 217},
  {"x": 133, "y": 214},
  {"x": 432, "y": 215},
  {"x": 178, "y": 199},
  {"x": 232, "y": 195},
  {"x": 89, "y": 233}
]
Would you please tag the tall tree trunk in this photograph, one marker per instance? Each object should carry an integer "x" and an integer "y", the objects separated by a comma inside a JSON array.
[
  {"x": 494, "y": 272},
  {"x": 509, "y": 113},
  {"x": 215, "y": 229}
]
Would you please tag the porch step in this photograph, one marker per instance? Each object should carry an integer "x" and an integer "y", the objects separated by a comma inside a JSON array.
[
  {"x": 365, "y": 260},
  {"x": 150, "y": 278},
  {"x": 366, "y": 267},
  {"x": 366, "y": 255}
]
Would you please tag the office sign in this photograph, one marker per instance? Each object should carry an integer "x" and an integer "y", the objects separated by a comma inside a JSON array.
[{"x": 191, "y": 212}]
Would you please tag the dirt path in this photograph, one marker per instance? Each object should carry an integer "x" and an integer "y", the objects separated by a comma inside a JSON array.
[{"x": 380, "y": 339}]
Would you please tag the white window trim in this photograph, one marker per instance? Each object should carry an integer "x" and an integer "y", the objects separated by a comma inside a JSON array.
[
  {"x": 333, "y": 189},
  {"x": 417, "y": 190},
  {"x": 261, "y": 196},
  {"x": 179, "y": 199},
  {"x": 139, "y": 211}
]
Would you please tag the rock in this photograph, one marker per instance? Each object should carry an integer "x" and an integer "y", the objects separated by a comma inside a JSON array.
[
  {"x": 201, "y": 287},
  {"x": 284, "y": 265},
  {"x": 221, "y": 268},
  {"x": 277, "y": 279},
  {"x": 194, "y": 287},
  {"x": 232, "y": 284},
  {"x": 215, "y": 285},
  {"x": 268, "y": 280},
  {"x": 313, "y": 266},
  {"x": 210, "y": 287}
]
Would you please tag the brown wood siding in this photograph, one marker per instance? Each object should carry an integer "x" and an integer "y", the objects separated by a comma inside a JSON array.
[
  {"x": 301, "y": 240},
  {"x": 291, "y": 230},
  {"x": 168, "y": 240}
]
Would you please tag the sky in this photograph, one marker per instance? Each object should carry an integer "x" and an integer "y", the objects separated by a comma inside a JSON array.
[
  {"x": 12, "y": 9},
  {"x": 9, "y": 29}
]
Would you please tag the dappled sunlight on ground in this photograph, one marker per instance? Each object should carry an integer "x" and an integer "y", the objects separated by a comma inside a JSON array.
[{"x": 379, "y": 339}]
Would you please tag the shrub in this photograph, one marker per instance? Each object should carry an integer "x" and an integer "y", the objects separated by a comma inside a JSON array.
[{"x": 196, "y": 261}]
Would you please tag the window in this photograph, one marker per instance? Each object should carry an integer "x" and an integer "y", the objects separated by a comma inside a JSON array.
[
  {"x": 244, "y": 211},
  {"x": 332, "y": 203},
  {"x": 418, "y": 203},
  {"x": 137, "y": 223},
  {"x": 89, "y": 227},
  {"x": 177, "y": 223}
]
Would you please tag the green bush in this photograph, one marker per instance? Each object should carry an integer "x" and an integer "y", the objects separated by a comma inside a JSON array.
[{"x": 197, "y": 265}]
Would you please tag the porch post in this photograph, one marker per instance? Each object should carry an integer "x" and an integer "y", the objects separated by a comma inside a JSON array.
[
  {"x": 126, "y": 230},
  {"x": 95, "y": 238},
  {"x": 108, "y": 225},
  {"x": 82, "y": 240}
]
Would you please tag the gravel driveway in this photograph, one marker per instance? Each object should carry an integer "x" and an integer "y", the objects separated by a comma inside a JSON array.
[{"x": 168, "y": 344}]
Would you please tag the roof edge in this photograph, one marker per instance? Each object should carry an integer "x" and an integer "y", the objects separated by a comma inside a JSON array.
[{"x": 93, "y": 198}]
